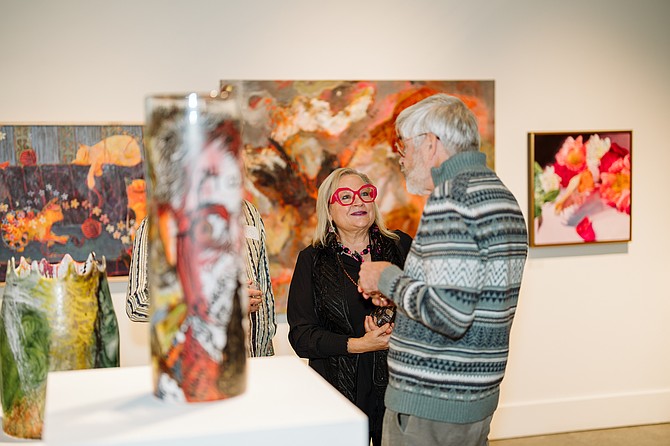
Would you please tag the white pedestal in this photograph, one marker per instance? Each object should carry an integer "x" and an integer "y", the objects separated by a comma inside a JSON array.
[{"x": 286, "y": 403}]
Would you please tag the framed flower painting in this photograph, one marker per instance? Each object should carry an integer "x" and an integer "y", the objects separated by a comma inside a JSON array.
[
  {"x": 70, "y": 189},
  {"x": 580, "y": 187}
]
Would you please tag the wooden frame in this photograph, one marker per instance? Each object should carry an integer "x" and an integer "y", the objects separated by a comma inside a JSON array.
[{"x": 580, "y": 187}]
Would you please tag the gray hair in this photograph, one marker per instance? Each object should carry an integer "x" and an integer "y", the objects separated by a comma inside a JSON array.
[
  {"x": 326, "y": 190},
  {"x": 447, "y": 117}
]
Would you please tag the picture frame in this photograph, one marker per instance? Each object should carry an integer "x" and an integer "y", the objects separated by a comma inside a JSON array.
[
  {"x": 580, "y": 185},
  {"x": 70, "y": 189},
  {"x": 296, "y": 132}
]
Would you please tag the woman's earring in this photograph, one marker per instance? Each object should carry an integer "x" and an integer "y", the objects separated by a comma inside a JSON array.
[{"x": 331, "y": 226}]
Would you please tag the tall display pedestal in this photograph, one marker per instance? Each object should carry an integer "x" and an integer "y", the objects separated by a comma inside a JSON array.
[{"x": 286, "y": 403}]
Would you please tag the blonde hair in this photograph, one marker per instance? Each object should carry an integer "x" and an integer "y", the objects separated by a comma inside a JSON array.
[{"x": 326, "y": 190}]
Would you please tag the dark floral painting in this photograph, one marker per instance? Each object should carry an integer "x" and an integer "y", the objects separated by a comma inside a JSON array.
[
  {"x": 297, "y": 132},
  {"x": 580, "y": 185},
  {"x": 70, "y": 189}
]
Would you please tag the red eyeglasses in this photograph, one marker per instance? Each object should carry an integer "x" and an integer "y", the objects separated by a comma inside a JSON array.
[{"x": 345, "y": 196}]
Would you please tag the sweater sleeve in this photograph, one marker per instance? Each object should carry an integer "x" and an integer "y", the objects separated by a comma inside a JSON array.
[
  {"x": 441, "y": 283},
  {"x": 391, "y": 274},
  {"x": 307, "y": 337}
]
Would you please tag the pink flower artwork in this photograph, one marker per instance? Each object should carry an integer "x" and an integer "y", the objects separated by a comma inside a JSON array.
[{"x": 581, "y": 186}]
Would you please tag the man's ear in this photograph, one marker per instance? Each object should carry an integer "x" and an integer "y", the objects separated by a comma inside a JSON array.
[
  {"x": 433, "y": 149},
  {"x": 438, "y": 153}
]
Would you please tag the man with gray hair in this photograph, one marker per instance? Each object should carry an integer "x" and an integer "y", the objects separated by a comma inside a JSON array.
[{"x": 458, "y": 291}]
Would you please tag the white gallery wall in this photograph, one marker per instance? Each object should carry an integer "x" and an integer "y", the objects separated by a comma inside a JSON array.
[{"x": 591, "y": 339}]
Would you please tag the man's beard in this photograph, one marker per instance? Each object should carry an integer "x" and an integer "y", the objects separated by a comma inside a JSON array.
[{"x": 414, "y": 178}]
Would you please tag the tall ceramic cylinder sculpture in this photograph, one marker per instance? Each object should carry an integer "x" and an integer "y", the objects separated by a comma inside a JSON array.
[
  {"x": 53, "y": 317},
  {"x": 195, "y": 268}
]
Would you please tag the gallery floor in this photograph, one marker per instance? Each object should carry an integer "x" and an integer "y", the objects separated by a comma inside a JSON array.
[{"x": 649, "y": 435}]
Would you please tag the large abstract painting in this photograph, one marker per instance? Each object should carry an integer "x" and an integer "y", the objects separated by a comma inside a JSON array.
[
  {"x": 580, "y": 187},
  {"x": 72, "y": 189},
  {"x": 297, "y": 132}
]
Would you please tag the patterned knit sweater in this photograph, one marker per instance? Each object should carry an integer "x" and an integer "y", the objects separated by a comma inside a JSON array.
[{"x": 456, "y": 296}]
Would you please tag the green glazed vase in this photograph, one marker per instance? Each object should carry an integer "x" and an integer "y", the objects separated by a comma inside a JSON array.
[{"x": 53, "y": 317}]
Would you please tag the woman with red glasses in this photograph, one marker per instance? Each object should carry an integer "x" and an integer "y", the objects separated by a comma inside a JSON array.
[{"x": 331, "y": 324}]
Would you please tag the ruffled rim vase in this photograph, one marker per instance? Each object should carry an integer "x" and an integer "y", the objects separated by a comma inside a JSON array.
[{"x": 53, "y": 317}]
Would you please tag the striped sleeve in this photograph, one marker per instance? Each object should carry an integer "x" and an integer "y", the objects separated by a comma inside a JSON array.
[
  {"x": 137, "y": 294},
  {"x": 262, "y": 324}
]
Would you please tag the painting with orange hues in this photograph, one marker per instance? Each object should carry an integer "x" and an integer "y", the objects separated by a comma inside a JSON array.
[
  {"x": 70, "y": 189},
  {"x": 297, "y": 132},
  {"x": 580, "y": 187}
]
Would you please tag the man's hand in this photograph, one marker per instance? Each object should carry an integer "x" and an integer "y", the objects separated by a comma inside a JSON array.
[{"x": 368, "y": 282}]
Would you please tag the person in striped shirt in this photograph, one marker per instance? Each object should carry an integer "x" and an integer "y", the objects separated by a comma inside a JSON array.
[
  {"x": 457, "y": 294},
  {"x": 262, "y": 322}
]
